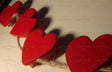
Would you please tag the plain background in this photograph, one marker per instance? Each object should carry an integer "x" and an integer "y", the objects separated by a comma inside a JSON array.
[{"x": 70, "y": 17}]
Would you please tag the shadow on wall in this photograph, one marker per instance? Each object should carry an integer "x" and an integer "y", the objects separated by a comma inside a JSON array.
[
  {"x": 26, "y": 6},
  {"x": 105, "y": 66},
  {"x": 61, "y": 44},
  {"x": 42, "y": 21}
]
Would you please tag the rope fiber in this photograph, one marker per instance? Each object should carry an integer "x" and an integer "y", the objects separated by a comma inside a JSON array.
[{"x": 43, "y": 61}]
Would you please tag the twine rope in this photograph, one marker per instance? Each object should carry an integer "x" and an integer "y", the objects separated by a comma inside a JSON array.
[
  {"x": 54, "y": 64},
  {"x": 45, "y": 62},
  {"x": 42, "y": 61},
  {"x": 15, "y": 18}
]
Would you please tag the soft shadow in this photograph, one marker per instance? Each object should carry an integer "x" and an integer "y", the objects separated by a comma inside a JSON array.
[
  {"x": 60, "y": 46},
  {"x": 42, "y": 21},
  {"x": 26, "y": 6},
  {"x": 42, "y": 12},
  {"x": 107, "y": 64},
  {"x": 56, "y": 31}
]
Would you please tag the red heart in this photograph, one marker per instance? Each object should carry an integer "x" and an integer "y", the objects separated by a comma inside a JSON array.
[
  {"x": 25, "y": 23},
  {"x": 83, "y": 55},
  {"x": 36, "y": 45},
  {"x": 6, "y": 14}
]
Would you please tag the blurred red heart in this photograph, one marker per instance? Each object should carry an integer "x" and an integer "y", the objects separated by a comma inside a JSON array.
[
  {"x": 25, "y": 23},
  {"x": 36, "y": 45},
  {"x": 7, "y": 13},
  {"x": 83, "y": 55}
]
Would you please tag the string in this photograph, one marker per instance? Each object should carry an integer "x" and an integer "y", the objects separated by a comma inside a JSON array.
[
  {"x": 18, "y": 41},
  {"x": 15, "y": 18},
  {"x": 45, "y": 62},
  {"x": 54, "y": 64}
]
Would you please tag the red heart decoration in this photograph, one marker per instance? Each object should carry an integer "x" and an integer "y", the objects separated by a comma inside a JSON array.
[
  {"x": 7, "y": 13},
  {"x": 36, "y": 45},
  {"x": 83, "y": 55},
  {"x": 25, "y": 24}
]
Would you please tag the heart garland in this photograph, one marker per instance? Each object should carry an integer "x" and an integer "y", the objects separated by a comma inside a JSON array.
[{"x": 82, "y": 54}]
